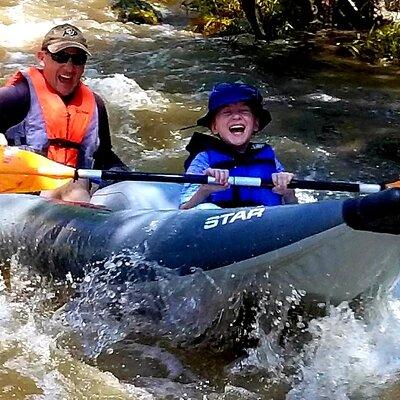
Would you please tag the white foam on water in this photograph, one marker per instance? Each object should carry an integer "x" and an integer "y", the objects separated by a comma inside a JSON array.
[
  {"x": 349, "y": 357},
  {"x": 306, "y": 196},
  {"x": 168, "y": 31},
  {"x": 14, "y": 35},
  {"x": 27, "y": 23},
  {"x": 38, "y": 18},
  {"x": 323, "y": 97},
  {"x": 125, "y": 93},
  {"x": 35, "y": 363},
  {"x": 158, "y": 153},
  {"x": 24, "y": 349}
]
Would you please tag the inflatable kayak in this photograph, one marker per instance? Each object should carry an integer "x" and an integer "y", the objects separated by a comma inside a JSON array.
[
  {"x": 331, "y": 250},
  {"x": 196, "y": 272}
]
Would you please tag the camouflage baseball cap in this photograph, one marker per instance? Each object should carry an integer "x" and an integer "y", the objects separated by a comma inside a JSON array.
[{"x": 63, "y": 36}]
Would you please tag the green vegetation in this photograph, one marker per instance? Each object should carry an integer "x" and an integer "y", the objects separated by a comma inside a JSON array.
[
  {"x": 267, "y": 19},
  {"x": 264, "y": 17},
  {"x": 272, "y": 19},
  {"x": 380, "y": 45},
  {"x": 227, "y": 8},
  {"x": 137, "y": 11},
  {"x": 378, "y": 39},
  {"x": 217, "y": 16}
]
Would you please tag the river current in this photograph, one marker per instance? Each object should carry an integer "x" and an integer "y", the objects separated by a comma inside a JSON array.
[{"x": 338, "y": 122}]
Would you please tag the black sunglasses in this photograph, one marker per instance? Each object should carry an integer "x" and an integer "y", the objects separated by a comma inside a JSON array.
[{"x": 62, "y": 57}]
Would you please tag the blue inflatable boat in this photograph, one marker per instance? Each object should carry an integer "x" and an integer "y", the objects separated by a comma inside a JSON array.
[
  {"x": 328, "y": 251},
  {"x": 332, "y": 249}
]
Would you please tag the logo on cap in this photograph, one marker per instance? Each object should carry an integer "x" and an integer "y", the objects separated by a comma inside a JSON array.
[{"x": 70, "y": 32}]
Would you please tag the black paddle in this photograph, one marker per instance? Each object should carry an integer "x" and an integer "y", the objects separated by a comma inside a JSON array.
[{"x": 25, "y": 171}]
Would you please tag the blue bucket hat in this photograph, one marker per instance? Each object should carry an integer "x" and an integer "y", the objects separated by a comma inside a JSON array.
[{"x": 224, "y": 94}]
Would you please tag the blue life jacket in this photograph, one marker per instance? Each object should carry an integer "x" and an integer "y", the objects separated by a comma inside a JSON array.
[{"x": 257, "y": 161}]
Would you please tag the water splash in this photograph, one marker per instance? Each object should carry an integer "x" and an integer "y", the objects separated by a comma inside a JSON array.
[
  {"x": 350, "y": 357},
  {"x": 115, "y": 298},
  {"x": 33, "y": 363},
  {"x": 128, "y": 295},
  {"x": 125, "y": 93}
]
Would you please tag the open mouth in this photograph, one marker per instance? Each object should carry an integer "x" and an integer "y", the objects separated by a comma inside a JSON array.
[
  {"x": 237, "y": 129},
  {"x": 64, "y": 78}
]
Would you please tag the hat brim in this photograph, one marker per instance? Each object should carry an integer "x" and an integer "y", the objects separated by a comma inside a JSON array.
[
  {"x": 205, "y": 120},
  {"x": 264, "y": 118},
  {"x": 56, "y": 47}
]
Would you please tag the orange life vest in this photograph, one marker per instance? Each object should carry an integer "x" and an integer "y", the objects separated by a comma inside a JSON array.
[{"x": 66, "y": 125}]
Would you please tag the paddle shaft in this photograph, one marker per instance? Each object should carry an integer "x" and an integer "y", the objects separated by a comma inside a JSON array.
[
  {"x": 24, "y": 171},
  {"x": 233, "y": 180}
]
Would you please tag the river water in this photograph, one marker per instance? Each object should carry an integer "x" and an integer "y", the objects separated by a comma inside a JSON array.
[{"x": 327, "y": 122}]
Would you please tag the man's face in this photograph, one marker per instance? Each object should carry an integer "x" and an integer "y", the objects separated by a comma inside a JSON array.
[
  {"x": 235, "y": 124},
  {"x": 63, "y": 77}
]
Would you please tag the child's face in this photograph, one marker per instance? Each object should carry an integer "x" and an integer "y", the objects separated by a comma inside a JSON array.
[{"x": 235, "y": 124}]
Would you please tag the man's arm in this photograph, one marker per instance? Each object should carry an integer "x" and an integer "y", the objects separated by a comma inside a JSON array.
[
  {"x": 104, "y": 157},
  {"x": 14, "y": 105}
]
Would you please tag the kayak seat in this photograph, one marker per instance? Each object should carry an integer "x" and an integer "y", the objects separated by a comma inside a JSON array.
[{"x": 138, "y": 196}]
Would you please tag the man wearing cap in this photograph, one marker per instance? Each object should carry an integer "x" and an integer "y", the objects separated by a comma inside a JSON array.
[
  {"x": 49, "y": 110},
  {"x": 235, "y": 113}
]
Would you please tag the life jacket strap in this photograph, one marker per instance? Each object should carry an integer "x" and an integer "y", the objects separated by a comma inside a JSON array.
[{"x": 64, "y": 143}]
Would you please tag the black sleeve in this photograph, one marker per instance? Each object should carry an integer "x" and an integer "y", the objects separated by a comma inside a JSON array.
[
  {"x": 14, "y": 105},
  {"x": 104, "y": 157}
]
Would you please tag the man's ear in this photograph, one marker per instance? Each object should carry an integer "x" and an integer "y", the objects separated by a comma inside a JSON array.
[{"x": 40, "y": 57}]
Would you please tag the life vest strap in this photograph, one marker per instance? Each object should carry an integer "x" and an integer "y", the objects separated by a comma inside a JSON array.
[{"x": 64, "y": 143}]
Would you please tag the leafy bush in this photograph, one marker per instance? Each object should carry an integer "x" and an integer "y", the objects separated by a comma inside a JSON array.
[
  {"x": 215, "y": 8},
  {"x": 272, "y": 18},
  {"x": 268, "y": 19},
  {"x": 137, "y": 11},
  {"x": 216, "y": 16},
  {"x": 382, "y": 44}
]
